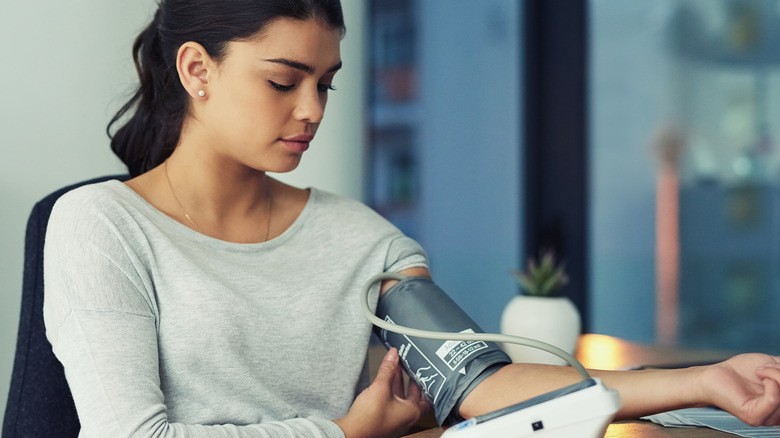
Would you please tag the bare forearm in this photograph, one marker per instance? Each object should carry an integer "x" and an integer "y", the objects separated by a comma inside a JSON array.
[
  {"x": 652, "y": 391},
  {"x": 642, "y": 392}
]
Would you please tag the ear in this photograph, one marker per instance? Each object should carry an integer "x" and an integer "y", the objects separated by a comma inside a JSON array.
[{"x": 193, "y": 64}]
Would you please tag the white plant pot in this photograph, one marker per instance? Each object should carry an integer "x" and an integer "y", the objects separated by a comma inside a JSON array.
[{"x": 552, "y": 320}]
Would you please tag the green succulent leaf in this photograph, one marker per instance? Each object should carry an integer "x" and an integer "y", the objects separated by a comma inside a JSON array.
[{"x": 542, "y": 277}]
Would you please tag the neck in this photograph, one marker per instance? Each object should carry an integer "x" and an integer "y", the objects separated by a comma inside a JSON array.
[{"x": 222, "y": 201}]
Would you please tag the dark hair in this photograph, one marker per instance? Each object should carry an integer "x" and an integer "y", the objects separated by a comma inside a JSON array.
[{"x": 160, "y": 104}]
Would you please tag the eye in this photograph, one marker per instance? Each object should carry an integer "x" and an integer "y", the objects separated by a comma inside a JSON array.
[
  {"x": 324, "y": 88},
  {"x": 280, "y": 87}
]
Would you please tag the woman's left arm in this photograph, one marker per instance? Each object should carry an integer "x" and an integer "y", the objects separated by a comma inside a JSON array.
[{"x": 748, "y": 386}]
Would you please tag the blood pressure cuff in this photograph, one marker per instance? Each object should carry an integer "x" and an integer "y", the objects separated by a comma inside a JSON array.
[{"x": 446, "y": 371}]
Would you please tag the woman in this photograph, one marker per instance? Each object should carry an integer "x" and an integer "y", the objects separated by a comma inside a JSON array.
[
  {"x": 202, "y": 291},
  {"x": 204, "y": 298}
]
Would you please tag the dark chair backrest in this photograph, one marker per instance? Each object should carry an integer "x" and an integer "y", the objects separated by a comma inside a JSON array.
[{"x": 39, "y": 401}]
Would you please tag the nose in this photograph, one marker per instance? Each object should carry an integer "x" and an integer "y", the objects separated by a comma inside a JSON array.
[{"x": 310, "y": 107}]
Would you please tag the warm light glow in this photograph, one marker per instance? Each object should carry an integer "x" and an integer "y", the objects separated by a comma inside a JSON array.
[{"x": 601, "y": 352}]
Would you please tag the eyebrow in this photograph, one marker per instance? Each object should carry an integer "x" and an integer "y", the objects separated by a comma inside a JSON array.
[{"x": 301, "y": 66}]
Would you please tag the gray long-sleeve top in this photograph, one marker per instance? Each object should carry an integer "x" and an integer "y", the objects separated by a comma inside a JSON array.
[{"x": 165, "y": 332}]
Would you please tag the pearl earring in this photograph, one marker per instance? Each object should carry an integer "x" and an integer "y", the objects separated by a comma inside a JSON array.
[{"x": 201, "y": 93}]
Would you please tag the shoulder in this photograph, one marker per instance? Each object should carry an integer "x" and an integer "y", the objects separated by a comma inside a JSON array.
[
  {"x": 358, "y": 227},
  {"x": 346, "y": 210},
  {"x": 94, "y": 210},
  {"x": 89, "y": 199},
  {"x": 353, "y": 220},
  {"x": 330, "y": 199}
]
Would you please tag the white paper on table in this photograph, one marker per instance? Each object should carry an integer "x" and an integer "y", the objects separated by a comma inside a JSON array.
[{"x": 713, "y": 418}]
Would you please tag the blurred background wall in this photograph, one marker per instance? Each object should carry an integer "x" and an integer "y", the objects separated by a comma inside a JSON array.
[{"x": 683, "y": 114}]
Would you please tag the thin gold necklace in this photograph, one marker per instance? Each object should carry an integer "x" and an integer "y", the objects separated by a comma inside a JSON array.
[
  {"x": 189, "y": 218},
  {"x": 173, "y": 192}
]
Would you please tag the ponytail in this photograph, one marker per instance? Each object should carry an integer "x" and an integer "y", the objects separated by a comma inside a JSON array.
[
  {"x": 158, "y": 108},
  {"x": 160, "y": 103}
]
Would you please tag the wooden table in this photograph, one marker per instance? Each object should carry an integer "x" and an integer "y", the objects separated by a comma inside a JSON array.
[
  {"x": 627, "y": 429},
  {"x": 608, "y": 353}
]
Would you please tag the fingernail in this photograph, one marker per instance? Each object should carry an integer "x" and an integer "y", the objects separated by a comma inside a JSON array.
[{"x": 391, "y": 355}]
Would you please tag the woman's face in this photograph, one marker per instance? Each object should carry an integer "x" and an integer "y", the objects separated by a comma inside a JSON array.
[{"x": 268, "y": 94}]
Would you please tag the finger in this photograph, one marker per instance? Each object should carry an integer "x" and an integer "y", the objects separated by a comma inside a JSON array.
[
  {"x": 398, "y": 382},
  {"x": 772, "y": 414},
  {"x": 773, "y": 419},
  {"x": 415, "y": 394},
  {"x": 769, "y": 372},
  {"x": 770, "y": 378},
  {"x": 766, "y": 405},
  {"x": 387, "y": 369},
  {"x": 772, "y": 400}
]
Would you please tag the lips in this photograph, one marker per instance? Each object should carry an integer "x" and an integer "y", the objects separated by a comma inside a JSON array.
[{"x": 298, "y": 143}]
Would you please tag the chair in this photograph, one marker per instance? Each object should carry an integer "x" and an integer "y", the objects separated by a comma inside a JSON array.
[{"x": 39, "y": 401}]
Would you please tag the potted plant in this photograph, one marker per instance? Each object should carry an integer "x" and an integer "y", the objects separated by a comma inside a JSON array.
[{"x": 540, "y": 312}]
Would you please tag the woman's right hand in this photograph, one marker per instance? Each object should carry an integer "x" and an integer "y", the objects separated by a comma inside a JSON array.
[
  {"x": 385, "y": 409},
  {"x": 747, "y": 385}
]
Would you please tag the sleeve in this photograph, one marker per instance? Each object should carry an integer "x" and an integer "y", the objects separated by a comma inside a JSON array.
[
  {"x": 403, "y": 253},
  {"x": 101, "y": 321}
]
